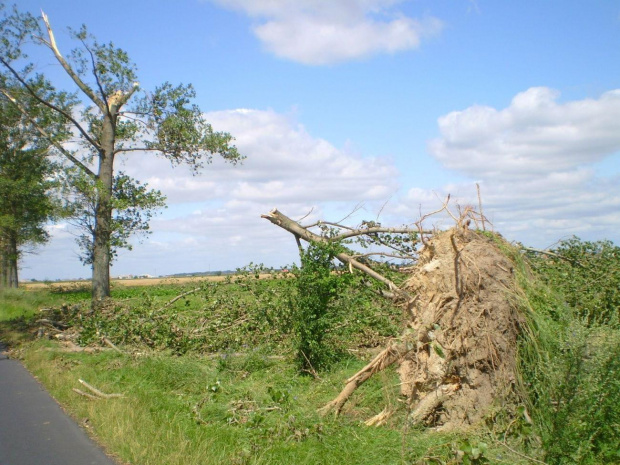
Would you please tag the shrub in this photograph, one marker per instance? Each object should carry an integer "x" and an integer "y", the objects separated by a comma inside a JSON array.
[
  {"x": 317, "y": 287},
  {"x": 587, "y": 275},
  {"x": 570, "y": 352}
]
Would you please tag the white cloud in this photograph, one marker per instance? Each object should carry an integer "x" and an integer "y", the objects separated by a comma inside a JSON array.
[
  {"x": 534, "y": 134},
  {"x": 535, "y": 161},
  {"x": 213, "y": 220},
  {"x": 319, "y": 32},
  {"x": 284, "y": 164}
]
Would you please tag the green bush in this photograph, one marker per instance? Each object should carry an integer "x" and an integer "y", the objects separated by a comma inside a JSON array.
[
  {"x": 586, "y": 275},
  {"x": 318, "y": 287}
]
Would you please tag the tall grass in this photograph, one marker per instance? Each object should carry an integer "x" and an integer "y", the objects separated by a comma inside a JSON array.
[{"x": 570, "y": 371}]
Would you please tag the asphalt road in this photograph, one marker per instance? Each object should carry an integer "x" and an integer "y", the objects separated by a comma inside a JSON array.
[{"x": 34, "y": 430}]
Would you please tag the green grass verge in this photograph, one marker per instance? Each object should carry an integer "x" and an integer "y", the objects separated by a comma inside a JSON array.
[
  {"x": 248, "y": 409},
  {"x": 235, "y": 408}
]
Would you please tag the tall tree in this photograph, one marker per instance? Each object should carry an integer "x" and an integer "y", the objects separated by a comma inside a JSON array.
[
  {"x": 116, "y": 118},
  {"x": 25, "y": 207},
  {"x": 26, "y": 179}
]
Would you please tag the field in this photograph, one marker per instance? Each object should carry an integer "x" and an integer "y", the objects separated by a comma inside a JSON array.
[
  {"x": 208, "y": 373},
  {"x": 138, "y": 282}
]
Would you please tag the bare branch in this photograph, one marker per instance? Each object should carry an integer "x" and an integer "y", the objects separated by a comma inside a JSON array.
[
  {"x": 328, "y": 223},
  {"x": 393, "y": 353},
  {"x": 103, "y": 94},
  {"x": 383, "y": 254},
  {"x": 555, "y": 255},
  {"x": 375, "y": 230},
  {"x": 136, "y": 149},
  {"x": 355, "y": 210},
  {"x": 97, "y": 392},
  {"x": 306, "y": 215},
  {"x": 67, "y": 67},
  {"x": 480, "y": 206},
  {"x": 279, "y": 219}
]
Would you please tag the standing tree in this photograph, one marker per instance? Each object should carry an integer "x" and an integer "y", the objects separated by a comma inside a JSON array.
[
  {"x": 116, "y": 118},
  {"x": 133, "y": 206},
  {"x": 25, "y": 207},
  {"x": 27, "y": 176}
]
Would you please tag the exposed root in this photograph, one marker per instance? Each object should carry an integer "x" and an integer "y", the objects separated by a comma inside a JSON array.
[
  {"x": 457, "y": 356},
  {"x": 460, "y": 349},
  {"x": 430, "y": 403}
]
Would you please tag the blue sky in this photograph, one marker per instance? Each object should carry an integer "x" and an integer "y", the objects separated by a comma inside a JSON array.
[{"x": 386, "y": 104}]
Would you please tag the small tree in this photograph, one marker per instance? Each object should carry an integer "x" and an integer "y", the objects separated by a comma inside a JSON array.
[
  {"x": 117, "y": 118},
  {"x": 317, "y": 286}
]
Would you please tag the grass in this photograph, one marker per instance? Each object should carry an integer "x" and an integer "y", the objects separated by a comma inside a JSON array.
[
  {"x": 240, "y": 406},
  {"x": 212, "y": 378},
  {"x": 196, "y": 410}
]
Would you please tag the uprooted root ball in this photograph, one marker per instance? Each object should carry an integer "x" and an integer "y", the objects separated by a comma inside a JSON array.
[
  {"x": 463, "y": 330},
  {"x": 457, "y": 356}
]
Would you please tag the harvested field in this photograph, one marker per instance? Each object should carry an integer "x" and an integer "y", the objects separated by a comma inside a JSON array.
[{"x": 124, "y": 282}]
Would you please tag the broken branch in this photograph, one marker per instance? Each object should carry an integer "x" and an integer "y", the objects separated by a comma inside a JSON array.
[
  {"x": 97, "y": 392},
  {"x": 279, "y": 219},
  {"x": 386, "y": 358}
]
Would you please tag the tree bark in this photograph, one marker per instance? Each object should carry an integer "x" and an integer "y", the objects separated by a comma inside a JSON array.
[
  {"x": 13, "y": 279},
  {"x": 3, "y": 265},
  {"x": 103, "y": 210},
  {"x": 8, "y": 262}
]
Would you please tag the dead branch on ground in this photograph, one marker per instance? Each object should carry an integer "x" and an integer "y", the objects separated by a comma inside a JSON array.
[{"x": 97, "y": 394}]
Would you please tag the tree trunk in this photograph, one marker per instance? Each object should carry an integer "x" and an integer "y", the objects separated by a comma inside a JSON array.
[
  {"x": 8, "y": 262},
  {"x": 103, "y": 213},
  {"x": 4, "y": 270},
  {"x": 12, "y": 256}
]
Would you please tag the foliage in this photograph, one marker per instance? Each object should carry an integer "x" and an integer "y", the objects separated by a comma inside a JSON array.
[
  {"x": 585, "y": 418},
  {"x": 115, "y": 119},
  {"x": 248, "y": 309},
  {"x": 587, "y": 275},
  {"x": 569, "y": 358},
  {"x": 27, "y": 180},
  {"x": 133, "y": 207},
  {"x": 318, "y": 286},
  {"x": 25, "y": 200}
]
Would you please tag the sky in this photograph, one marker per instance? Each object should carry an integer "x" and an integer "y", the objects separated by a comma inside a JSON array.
[{"x": 378, "y": 107}]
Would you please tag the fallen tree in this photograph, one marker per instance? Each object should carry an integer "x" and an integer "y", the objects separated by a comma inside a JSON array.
[{"x": 456, "y": 357}]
